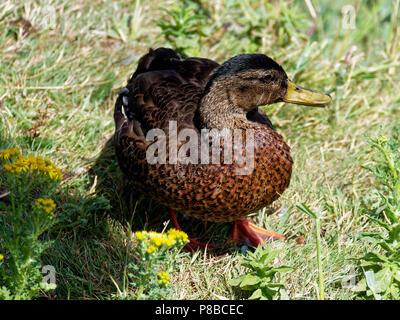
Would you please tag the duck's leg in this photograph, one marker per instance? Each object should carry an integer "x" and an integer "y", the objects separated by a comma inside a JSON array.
[
  {"x": 193, "y": 244},
  {"x": 246, "y": 232}
]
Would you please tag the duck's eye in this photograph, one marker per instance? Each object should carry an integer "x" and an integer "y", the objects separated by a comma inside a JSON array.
[{"x": 267, "y": 77}]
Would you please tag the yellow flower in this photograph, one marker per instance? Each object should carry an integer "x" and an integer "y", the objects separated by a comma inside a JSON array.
[
  {"x": 5, "y": 154},
  {"x": 8, "y": 167},
  {"x": 177, "y": 235},
  {"x": 51, "y": 170},
  {"x": 1, "y": 257},
  {"x": 48, "y": 205},
  {"x": 20, "y": 164},
  {"x": 139, "y": 235},
  {"x": 151, "y": 249},
  {"x": 163, "y": 278},
  {"x": 48, "y": 168},
  {"x": 8, "y": 153},
  {"x": 17, "y": 169},
  {"x": 151, "y": 241},
  {"x": 31, "y": 162},
  {"x": 158, "y": 241},
  {"x": 14, "y": 151}
]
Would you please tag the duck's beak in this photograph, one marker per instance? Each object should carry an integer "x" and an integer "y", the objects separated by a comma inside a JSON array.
[{"x": 307, "y": 97}]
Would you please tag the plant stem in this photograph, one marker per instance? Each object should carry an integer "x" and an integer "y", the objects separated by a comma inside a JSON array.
[
  {"x": 319, "y": 259},
  {"x": 143, "y": 280},
  {"x": 389, "y": 160}
]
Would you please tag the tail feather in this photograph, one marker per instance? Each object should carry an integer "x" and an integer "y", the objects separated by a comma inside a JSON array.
[{"x": 155, "y": 60}]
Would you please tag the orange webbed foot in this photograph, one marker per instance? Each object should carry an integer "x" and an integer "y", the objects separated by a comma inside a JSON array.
[{"x": 248, "y": 233}]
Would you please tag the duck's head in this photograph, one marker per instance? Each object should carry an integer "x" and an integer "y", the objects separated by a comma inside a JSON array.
[{"x": 247, "y": 81}]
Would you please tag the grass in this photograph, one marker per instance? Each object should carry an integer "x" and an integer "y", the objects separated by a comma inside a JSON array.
[{"x": 63, "y": 62}]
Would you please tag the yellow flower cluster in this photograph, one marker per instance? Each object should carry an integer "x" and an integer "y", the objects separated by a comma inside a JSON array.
[
  {"x": 177, "y": 235},
  {"x": 1, "y": 256},
  {"x": 154, "y": 240},
  {"x": 163, "y": 278},
  {"x": 8, "y": 153},
  {"x": 48, "y": 205},
  {"x": 24, "y": 164}
]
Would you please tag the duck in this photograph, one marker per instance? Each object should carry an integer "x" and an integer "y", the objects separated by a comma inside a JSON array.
[{"x": 176, "y": 124}]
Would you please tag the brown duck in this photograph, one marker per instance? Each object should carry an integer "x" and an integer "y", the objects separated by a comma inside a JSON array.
[{"x": 182, "y": 98}]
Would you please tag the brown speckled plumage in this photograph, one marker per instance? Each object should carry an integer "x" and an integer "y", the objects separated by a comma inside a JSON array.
[{"x": 198, "y": 93}]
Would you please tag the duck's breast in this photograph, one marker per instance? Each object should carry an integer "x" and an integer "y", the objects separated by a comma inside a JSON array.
[{"x": 224, "y": 191}]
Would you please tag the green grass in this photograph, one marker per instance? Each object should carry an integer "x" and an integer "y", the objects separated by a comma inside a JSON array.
[{"x": 62, "y": 66}]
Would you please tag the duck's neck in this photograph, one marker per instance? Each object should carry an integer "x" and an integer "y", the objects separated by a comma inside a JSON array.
[{"x": 220, "y": 109}]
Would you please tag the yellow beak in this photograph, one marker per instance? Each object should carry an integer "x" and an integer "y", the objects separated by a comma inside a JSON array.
[{"x": 307, "y": 97}]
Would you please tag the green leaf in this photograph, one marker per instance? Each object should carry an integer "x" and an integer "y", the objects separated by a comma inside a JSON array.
[
  {"x": 5, "y": 294},
  {"x": 269, "y": 293},
  {"x": 386, "y": 246},
  {"x": 380, "y": 222},
  {"x": 256, "y": 295},
  {"x": 303, "y": 207},
  {"x": 236, "y": 281},
  {"x": 378, "y": 282},
  {"x": 283, "y": 269},
  {"x": 375, "y": 257},
  {"x": 394, "y": 234},
  {"x": 396, "y": 275},
  {"x": 370, "y": 279},
  {"x": 267, "y": 257},
  {"x": 383, "y": 280},
  {"x": 272, "y": 285},
  {"x": 248, "y": 281},
  {"x": 361, "y": 286}
]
